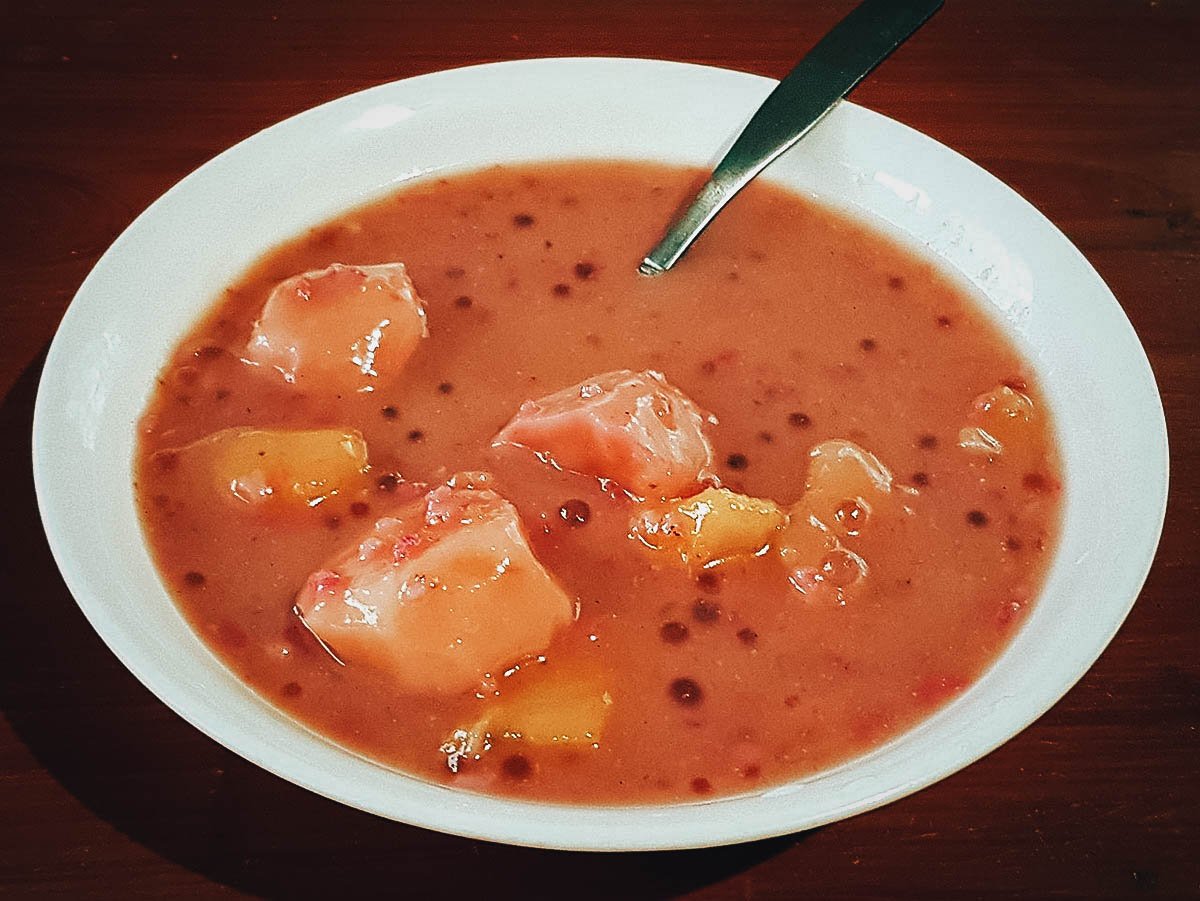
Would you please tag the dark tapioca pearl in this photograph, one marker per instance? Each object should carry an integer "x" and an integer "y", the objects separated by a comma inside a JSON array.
[
  {"x": 673, "y": 632},
  {"x": 1034, "y": 481},
  {"x": 221, "y": 394},
  {"x": 705, "y": 611},
  {"x": 748, "y": 637},
  {"x": 920, "y": 479},
  {"x": 547, "y": 243},
  {"x": 1012, "y": 543},
  {"x": 562, "y": 289},
  {"x": 766, "y": 437},
  {"x": 737, "y": 461},
  {"x": 333, "y": 523},
  {"x": 445, "y": 387},
  {"x": 977, "y": 518},
  {"x": 944, "y": 322},
  {"x": 686, "y": 692},
  {"x": 575, "y": 512},
  {"x": 701, "y": 786},
  {"x": 927, "y": 441},
  {"x": 708, "y": 582},
  {"x": 896, "y": 283},
  {"x": 868, "y": 344},
  {"x": 517, "y": 767},
  {"x": 463, "y": 302},
  {"x": 360, "y": 508},
  {"x": 584, "y": 270},
  {"x": 291, "y": 689},
  {"x": 523, "y": 220},
  {"x": 194, "y": 579},
  {"x": 416, "y": 436},
  {"x": 389, "y": 412},
  {"x": 455, "y": 272},
  {"x": 799, "y": 420},
  {"x": 389, "y": 481},
  {"x": 185, "y": 376},
  {"x": 166, "y": 461}
]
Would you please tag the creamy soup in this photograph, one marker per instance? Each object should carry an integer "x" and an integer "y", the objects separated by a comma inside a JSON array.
[{"x": 514, "y": 518}]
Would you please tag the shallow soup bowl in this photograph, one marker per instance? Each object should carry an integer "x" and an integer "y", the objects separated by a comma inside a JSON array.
[{"x": 203, "y": 233}]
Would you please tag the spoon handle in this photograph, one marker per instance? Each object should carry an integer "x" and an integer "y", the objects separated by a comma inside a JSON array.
[{"x": 841, "y": 59}]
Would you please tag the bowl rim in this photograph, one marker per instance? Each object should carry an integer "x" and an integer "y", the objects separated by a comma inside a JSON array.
[{"x": 572, "y": 829}]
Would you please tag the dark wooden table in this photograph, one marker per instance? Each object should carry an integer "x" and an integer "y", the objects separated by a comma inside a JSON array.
[{"x": 1089, "y": 109}]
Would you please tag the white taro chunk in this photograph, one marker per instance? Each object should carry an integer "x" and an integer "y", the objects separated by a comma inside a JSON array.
[
  {"x": 438, "y": 595},
  {"x": 340, "y": 329},
  {"x": 632, "y": 427}
]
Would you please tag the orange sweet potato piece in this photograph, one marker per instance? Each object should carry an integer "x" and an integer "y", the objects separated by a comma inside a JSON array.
[
  {"x": 1002, "y": 423},
  {"x": 279, "y": 469},
  {"x": 710, "y": 527}
]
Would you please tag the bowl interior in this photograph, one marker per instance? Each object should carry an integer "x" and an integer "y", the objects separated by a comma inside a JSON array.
[{"x": 210, "y": 227}]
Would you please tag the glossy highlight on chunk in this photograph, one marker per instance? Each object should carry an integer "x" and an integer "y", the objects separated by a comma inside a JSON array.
[
  {"x": 709, "y": 528},
  {"x": 340, "y": 329},
  {"x": 279, "y": 469},
  {"x": 632, "y": 427},
  {"x": 438, "y": 595}
]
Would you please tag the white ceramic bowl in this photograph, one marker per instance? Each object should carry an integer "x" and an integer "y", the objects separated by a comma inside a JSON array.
[{"x": 169, "y": 265}]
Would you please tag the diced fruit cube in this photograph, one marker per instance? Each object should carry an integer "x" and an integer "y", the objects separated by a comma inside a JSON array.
[
  {"x": 438, "y": 595},
  {"x": 710, "y": 527},
  {"x": 631, "y": 427},
  {"x": 552, "y": 704},
  {"x": 845, "y": 486},
  {"x": 280, "y": 469},
  {"x": 1002, "y": 423},
  {"x": 341, "y": 329}
]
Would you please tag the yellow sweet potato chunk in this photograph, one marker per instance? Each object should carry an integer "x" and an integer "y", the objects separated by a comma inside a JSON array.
[
  {"x": 846, "y": 488},
  {"x": 277, "y": 469},
  {"x": 708, "y": 528},
  {"x": 815, "y": 559},
  {"x": 551, "y": 704},
  {"x": 1002, "y": 423},
  {"x": 846, "y": 485}
]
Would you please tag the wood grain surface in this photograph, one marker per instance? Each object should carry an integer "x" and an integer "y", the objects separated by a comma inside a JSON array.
[{"x": 1089, "y": 108}]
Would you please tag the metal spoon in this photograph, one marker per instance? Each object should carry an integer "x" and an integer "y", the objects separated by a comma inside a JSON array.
[{"x": 841, "y": 59}]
